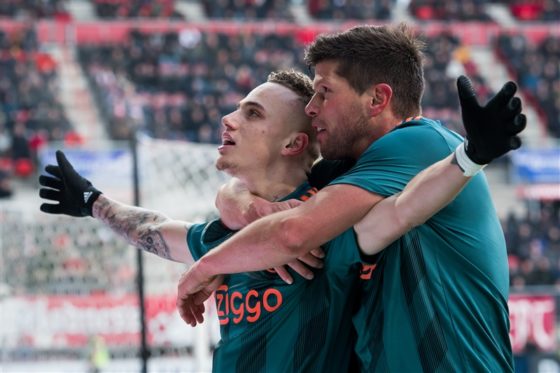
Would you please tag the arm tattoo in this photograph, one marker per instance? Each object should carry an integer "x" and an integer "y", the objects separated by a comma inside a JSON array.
[
  {"x": 152, "y": 241},
  {"x": 138, "y": 226}
]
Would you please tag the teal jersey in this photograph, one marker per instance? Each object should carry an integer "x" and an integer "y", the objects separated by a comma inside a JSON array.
[
  {"x": 269, "y": 326},
  {"x": 437, "y": 300}
]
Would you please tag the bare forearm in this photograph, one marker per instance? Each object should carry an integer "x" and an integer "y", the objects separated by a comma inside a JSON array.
[
  {"x": 286, "y": 235},
  {"x": 140, "y": 227},
  {"x": 426, "y": 194},
  {"x": 257, "y": 247}
]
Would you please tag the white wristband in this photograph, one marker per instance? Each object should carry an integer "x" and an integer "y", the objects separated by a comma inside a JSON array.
[{"x": 468, "y": 167}]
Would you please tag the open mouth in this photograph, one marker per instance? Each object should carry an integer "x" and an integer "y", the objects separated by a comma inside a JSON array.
[{"x": 227, "y": 139}]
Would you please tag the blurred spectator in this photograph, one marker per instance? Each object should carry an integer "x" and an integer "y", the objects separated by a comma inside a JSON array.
[
  {"x": 536, "y": 66},
  {"x": 533, "y": 244},
  {"x": 248, "y": 10},
  {"x": 446, "y": 59},
  {"x": 5, "y": 184},
  {"x": 21, "y": 152},
  {"x": 53, "y": 9},
  {"x": 179, "y": 85},
  {"x": 136, "y": 9},
  {"x": 350, "y": 9},
  {"x": 30, "y": 113},
  {"x": 531, "y": 10},
  {"x": 446, "y": 10}
]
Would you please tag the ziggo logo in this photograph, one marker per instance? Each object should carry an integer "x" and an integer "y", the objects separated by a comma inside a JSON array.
[{"x": 238, "y": 306}]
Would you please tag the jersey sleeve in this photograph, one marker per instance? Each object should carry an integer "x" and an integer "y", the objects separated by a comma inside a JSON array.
[
  {"x": 393, "y": 160},
  {"x": 194, "y": 241}
]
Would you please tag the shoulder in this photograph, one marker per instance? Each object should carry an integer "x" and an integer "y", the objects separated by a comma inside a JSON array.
[{"x": 423, "y": 140}]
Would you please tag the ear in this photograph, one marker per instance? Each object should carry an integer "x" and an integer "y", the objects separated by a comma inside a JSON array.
[
  {"x": 379, "y": 97},
  {"x": 296, "y": 144}
]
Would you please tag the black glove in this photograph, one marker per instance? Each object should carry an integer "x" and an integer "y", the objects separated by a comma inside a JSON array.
[
  {"x": 492, "y": 129},
  {"x": 325, "y": 171},
  {"x": 75, "y": 195}
]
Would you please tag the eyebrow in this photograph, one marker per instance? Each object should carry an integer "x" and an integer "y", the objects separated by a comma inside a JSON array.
[{"x": 251, "y": 104}]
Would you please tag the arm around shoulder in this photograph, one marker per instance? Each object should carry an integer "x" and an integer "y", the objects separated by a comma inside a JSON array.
[
  {"x": 426, "y": 194},
  {"x": 284, "y": 236}
]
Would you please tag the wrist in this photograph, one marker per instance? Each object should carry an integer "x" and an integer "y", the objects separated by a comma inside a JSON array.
[
  {"x": 90, "y": 197},
  {"x": 465, "y": 163},
  {"x": 98, "y": 205},
  {"x": 204, "y": 268}
]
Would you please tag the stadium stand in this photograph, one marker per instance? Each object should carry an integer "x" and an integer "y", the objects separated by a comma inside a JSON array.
[
  {"x": 535, "y": 10},
  {"x": 31, "y": 112},
  {"x": 111, "y": 9},
  {"x": 53, "y": 9},
  {"x": 536, "y": 66},
  {"x": 533, "y": 244},
  {"x": 350, "y": 9},
  {"x": 430, "y": 10},
  {"x": 183, "y": 83},
  {"x": 446, "y": 58},
  {"x": 248, "y": 10}
]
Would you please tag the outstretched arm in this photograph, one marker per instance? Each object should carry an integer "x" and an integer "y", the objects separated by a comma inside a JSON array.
[{"x": 147, "y": 230}]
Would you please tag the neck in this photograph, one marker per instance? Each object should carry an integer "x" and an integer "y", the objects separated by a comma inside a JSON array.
[
  {"x": 274, "y": 183},
  {"x": 380, "y": 126}
]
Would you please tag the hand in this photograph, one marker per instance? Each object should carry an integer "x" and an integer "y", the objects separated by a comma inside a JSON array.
[
  {"x": 75, "y": 195},
  {"x": 492, "y": 129},
  {"x": 238, "y": 207},
  {"x": 312, "y": 259},
  {"x": 194, "y": 288}
]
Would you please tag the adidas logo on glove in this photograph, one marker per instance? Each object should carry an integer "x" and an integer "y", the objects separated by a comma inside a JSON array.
[{"x": 86, "y": 196}]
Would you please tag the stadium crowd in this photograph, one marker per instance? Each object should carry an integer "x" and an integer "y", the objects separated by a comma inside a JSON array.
[
  {"x": 32, "y": 9},
  {"x": 30, "y": 112},
  {"x": 182, "y": 83},
  {"x": 537, "y": 68},
  {"x": 111, "y": 9},
  {"x": 533, "y": 243},
  {"x": 469, "y": 10}
]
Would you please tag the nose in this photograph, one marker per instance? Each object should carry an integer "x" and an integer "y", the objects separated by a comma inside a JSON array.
[
  {"x": 312, "y": 109},
  {"x": 227, "y": 122}
]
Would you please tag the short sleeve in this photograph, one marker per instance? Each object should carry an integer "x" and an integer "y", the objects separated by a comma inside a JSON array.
[{"x": 194, "y": 241}]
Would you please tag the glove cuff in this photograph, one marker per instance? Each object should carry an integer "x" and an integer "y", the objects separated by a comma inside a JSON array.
[
  {"x": 90, "y": 196},
  {"x": 469, "y": 167}
]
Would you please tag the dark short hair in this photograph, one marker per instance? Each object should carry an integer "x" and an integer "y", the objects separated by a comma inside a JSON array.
[
  {"x": 294, "y": 80},
  {"x": 370, "y": 55}
]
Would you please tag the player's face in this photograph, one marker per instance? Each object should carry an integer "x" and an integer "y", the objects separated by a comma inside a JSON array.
[
  {"x": 338, "y": 114},
  {"x": 254, "y": 133}
]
